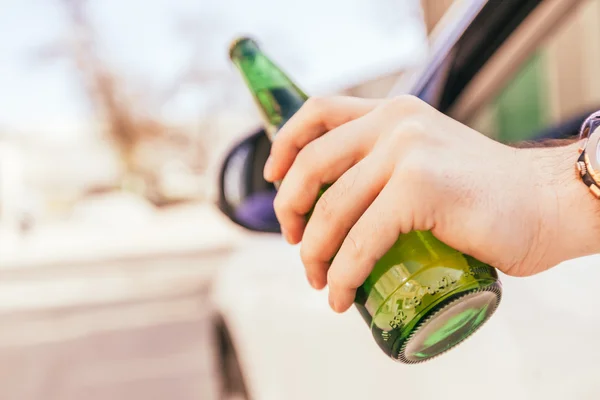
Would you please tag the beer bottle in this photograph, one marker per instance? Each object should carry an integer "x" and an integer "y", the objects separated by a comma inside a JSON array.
[{"x": 422, "y": 297}]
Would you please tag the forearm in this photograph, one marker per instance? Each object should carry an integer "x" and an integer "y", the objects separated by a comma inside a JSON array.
[
  {"x": 545, "y": 143},
  {"x": 573, "y": 212}
]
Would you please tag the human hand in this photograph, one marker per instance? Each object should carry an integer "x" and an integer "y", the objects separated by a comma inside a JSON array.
[{"x": 399, "y": 165}]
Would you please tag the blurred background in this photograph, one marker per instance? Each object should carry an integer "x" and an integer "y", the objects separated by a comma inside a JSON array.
[{"x": 119, "y": 276}]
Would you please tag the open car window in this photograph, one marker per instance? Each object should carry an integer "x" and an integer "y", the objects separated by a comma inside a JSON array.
[
  {"x": 462, "y": 43},
  {"x": 542, "y": 82},
  {"x": 507, "y": 68}
]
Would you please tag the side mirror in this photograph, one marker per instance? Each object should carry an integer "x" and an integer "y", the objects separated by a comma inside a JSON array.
[{"x": 244, "y": 196}]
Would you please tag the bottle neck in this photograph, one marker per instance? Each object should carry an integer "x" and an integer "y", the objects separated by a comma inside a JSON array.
[{"x": 276, "y": 95}]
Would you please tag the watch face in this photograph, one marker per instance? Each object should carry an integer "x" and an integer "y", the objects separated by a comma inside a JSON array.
[{"x": 592, "y": 149}]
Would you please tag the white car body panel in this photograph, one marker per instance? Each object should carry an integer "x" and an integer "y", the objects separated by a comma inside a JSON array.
[{"x": 541, "y": 343}]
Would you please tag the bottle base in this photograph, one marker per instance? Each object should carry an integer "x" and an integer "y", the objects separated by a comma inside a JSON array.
[{"x": 451, "y": 322}]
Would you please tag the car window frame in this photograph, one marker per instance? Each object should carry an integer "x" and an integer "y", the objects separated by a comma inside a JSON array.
[
  {"x": 527, "y": 23},
  {"x": 509, "y": 58}
]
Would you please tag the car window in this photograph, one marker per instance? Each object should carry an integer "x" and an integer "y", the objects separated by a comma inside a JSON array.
[{"x": 557, "y": 82}]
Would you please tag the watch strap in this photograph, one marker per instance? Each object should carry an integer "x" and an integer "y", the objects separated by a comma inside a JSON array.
[{"x": 586, "y": 177}]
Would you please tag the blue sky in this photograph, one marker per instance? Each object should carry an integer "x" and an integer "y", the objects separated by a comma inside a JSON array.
[{"x": 324, "y": 44}]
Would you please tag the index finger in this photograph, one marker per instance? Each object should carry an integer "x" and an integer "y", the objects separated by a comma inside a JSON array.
[{"x": 316, "y": 117}]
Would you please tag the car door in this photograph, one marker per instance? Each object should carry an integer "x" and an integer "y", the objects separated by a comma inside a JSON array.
[
  {"x": 484, "y": 60},
  {"x": 488, "y": 58}
]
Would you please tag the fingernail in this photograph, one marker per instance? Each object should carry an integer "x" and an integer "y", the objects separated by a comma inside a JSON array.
[{"x": 268, "y": 170}]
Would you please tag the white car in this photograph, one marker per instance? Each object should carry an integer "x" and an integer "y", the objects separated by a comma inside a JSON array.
[{"x": 280, "y": 340}]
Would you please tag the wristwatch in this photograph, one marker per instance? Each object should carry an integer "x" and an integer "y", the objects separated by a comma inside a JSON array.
[{"x": 588, "y": 163}]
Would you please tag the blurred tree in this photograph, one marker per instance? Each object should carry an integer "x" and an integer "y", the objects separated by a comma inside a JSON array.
[
  {"x": 125, "y": 125},
  {"x": 199, "y": 74},
  {"x": 133, "y": 123}
]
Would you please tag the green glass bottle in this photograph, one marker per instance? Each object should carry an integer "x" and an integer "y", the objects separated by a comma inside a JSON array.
[{"x": 422, "y": 297}]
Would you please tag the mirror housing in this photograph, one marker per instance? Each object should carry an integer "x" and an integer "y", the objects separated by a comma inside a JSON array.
[{"x": 243, "y": 194}]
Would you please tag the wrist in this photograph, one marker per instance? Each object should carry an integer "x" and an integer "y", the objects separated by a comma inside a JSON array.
[{"x": 571, "y": 214}]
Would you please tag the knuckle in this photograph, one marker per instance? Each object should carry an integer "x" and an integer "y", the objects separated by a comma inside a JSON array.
[
  {"x": 342, "y": 278},
  {"x": 333, "y": 279},
  {"x": 356, "y": 249},
  {"x": 408, "y": 136},
  {"x": 414, "y": 128},
  {"x": 308, "y": 156},
  {"x": 309, "y": 254},
  {"x": 349, "y": 276},
  {"x": 324, "y": 208},
  {"x": 315, "y": 104},
  {"x": 279, "y": 206},
  {"x": 306, "y": 170},
  {"x": 404, "y": 105},
  {"x": 306, "y": 253},
  {"x": 279, "y": 145},
  {"x": 411, "y": 133},
  {"x": 337, "y": 278}
]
